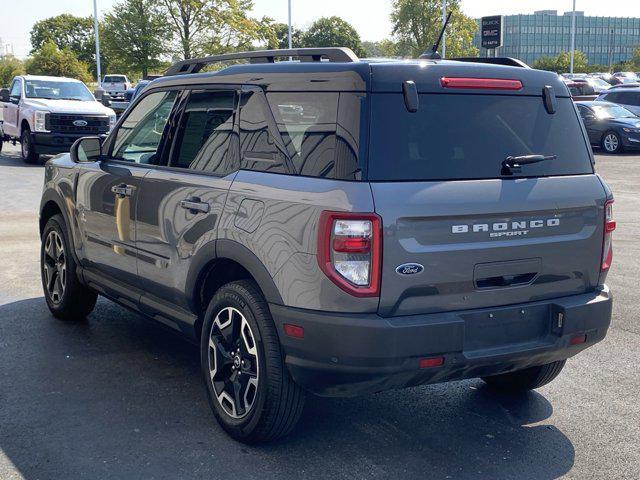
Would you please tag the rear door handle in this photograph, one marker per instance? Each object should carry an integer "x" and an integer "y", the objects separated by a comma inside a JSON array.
[
  {"x": 195, "y": 205},
  {"x": 123, "y": 190}
]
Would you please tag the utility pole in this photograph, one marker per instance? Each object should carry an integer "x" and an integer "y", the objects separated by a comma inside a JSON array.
[
  {"x": 290, "y": 38},
  {"x": 97, "y": 35},
  {"x": 444, "y": 35},
  {"x": 573, "y": 34}
]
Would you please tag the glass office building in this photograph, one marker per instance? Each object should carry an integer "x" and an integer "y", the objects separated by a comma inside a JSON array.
[{"x": 604, "y": 40}]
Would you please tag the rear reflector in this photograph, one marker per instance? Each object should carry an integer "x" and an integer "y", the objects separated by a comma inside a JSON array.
[
  {"x": 293, "y": 331},
  {"x": 431, "y": 362},
  {"x": 578, "y": 339},
  {"x": 481, "y": 83}
]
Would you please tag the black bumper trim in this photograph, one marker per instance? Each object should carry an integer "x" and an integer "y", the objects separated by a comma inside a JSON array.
[{"x": 352, "y": 354}]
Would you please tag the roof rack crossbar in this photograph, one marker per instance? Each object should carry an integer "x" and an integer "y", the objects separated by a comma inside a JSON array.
[{"x": 194, "y": 65}]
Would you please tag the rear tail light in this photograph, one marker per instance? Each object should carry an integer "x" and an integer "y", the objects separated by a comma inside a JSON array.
[
  {"x": 609, "y": 227},
  {"x": 350, "y": 251},
  {"x": 481, "y": 83}
]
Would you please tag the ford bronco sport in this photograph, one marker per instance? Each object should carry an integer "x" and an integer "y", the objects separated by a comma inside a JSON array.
[{"x": 340, "y": 226}]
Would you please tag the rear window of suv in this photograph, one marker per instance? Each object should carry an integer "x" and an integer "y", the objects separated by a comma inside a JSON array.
[{"x": 462, "y": 136}]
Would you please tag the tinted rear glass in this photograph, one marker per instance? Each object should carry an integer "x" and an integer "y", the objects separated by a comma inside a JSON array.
[
  {"x": 114, "y": 79},
  {"x": 457, "y": 136}
]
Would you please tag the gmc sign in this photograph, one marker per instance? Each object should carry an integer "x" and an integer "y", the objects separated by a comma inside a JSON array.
[{"x": 491, "y": 31}]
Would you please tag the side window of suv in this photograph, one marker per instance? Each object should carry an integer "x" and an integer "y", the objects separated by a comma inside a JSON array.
[
  {"x": 612, "y": 97},
  {"x": 320, "y": 130},
  {"x": 138, "y": 138},
  {"x": 205, "y": 133},
  {"x": 630, "y": 98},
  {"x": 258, "y": 147}
]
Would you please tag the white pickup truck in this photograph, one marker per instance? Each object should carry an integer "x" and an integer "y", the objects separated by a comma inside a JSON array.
[
  {"x": 47, "y": 114},
  {"x": 116, "y": 85}
]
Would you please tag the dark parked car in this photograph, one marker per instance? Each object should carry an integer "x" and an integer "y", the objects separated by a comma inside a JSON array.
[
  {"x": 610, "y": 126},
  {"x": 581, "y": 90}
]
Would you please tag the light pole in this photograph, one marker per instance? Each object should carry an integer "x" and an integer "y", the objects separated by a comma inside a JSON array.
[
  {"x": 444, "y": 35},
  {"x": 290, "y": 39},
  {"x": 97, "y": 35},
  {"x": 573, "y": 35}
]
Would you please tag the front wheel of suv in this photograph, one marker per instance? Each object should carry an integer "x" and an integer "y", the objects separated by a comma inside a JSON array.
[
  {"x": 250, "y": 391},
  {"x": 527, "y": 379},
  {"x": 66, "y": 297}
]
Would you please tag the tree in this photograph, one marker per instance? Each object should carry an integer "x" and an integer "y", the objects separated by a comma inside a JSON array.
[
  {"x": 635, "y": 59},
  {"x": 10, "y": 66},
  {"x": 215, "y": 26},
  {"x": 382, "y": 49},
  {"x": 333, "y": 32},
  {"x": 561, "y": 63},
  {"x": 417, "y": 24},
  {"x": 66, "y": 31},
  {"x": 135, "y": 36},
  {"x": 281, "y": 34},
  {"x": 50, "y": 60}
]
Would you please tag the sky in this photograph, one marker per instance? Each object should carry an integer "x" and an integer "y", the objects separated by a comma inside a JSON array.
[{"x": 369, "y": 17}]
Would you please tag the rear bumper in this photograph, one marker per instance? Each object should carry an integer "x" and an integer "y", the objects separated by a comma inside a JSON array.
[{"x": 352, "y": 354}]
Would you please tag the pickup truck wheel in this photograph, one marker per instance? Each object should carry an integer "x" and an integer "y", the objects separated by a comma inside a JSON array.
[
  {"x": 27, "y": 149},
  {"x": 527, "y": 379},
  {"x": 250, "y": 390},
  {"x": 66, "y": 297}
]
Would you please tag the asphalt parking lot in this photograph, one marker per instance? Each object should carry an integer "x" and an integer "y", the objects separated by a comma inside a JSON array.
[{"x": 120, "y": 397}]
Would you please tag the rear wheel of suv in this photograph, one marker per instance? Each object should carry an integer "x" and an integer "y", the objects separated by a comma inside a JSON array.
[
  {"x": 66, "y": 297},
  {"x": 611, "y": 142},
  {"x": 250, "y": 391},
  {"x": 27, "y": 149},
  {"x": 527, "y": 379}
]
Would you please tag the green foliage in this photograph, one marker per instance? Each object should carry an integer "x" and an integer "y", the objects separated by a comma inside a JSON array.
[
  {"x": 10, "y": 66},
  {"x": 417, "y": 24},
  {"x": 562, "y": 63},
  {"x": 382, "y": 49},
  {"x": 50, "y": 60},
  {"x": 206, "y": 27},
  {"x": 66, "y": 31},
  {"x": 281, "y": 33},
  {"x": 135, "y": 36},
  {"x": 333, "y": 32}
]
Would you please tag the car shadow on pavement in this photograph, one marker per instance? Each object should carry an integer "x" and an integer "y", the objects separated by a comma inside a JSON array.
[
  {"x": 10, "y": 157},
  {"x": 118, "y": 396}
]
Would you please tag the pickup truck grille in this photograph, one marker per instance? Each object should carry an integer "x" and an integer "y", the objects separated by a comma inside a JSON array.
[{"x": 64, "y": 123}]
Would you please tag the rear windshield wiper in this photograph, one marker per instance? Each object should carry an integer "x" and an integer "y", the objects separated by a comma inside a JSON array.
[{"x": 513, "y": 164}]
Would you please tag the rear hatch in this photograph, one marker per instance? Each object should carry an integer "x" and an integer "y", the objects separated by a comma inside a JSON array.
[{"x": 460, "y": 230}]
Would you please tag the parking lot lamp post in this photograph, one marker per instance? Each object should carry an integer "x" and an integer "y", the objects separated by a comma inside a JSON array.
[
  {"x": 573, "y": 35},
  {"x": 97, "y": 35}
]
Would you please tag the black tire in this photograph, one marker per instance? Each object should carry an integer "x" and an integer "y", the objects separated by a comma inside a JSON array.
[
  {"x": 527, "y": 379},
  {"x": 27, "y": 149},
  {"x": 277, "y": 402},
  {"x": 73, "y": 301},
  {"x": 611, "y": 142}
]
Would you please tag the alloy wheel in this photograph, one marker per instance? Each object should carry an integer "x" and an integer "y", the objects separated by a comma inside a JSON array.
[
  {"x": 611, "y": 142},
  {"x": 233, "y": 362},
  {"x": 55, "y": 267}
]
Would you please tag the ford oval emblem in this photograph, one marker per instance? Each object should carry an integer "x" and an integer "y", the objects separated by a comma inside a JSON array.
[
  {"x": 409, "y": 269},
  {"x": 80, "y": 123}
]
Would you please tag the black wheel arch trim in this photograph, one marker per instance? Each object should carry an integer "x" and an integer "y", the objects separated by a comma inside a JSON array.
[
  {"x": 49, "y": 196},
  {"x": 229, "y": 249}
]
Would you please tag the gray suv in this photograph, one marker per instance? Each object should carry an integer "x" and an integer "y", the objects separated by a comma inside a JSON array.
[{"x": 340, "y": 227}]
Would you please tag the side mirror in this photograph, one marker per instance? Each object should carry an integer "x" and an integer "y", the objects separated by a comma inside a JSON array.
[
  {"x": 86, "y": 149},
  {"x": 4, "y": 95},
  {"x": 106, "y": 100}
]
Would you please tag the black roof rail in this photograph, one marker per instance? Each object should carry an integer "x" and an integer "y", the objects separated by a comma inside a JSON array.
[
  {"x": 194, "y": 65},
  {"x": 508, "y": 61}
]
